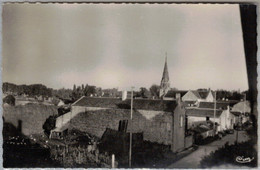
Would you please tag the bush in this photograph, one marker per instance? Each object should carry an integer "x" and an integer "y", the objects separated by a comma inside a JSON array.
[
  {"x": 228, "y": 154},
  {"x": 49, "y": 124},
  {"x": 9, "y": 100}
]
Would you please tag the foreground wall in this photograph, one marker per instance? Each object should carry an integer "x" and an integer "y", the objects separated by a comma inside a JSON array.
[
  {"x": 31, "y": 116},
  {"x": 155, "y": 125},
  {"x": 178, "y": 140}
]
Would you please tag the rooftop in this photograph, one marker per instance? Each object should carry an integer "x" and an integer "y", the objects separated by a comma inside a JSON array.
[
  {"x": 140, "y": 104},
  {"x": 199, "y": 112},
  {"x": 210, "y": 105}
]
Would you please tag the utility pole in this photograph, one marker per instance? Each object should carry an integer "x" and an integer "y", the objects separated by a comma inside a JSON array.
[
  {"x": 215, "y": 105},
  {"x": 131, "y": 123}
]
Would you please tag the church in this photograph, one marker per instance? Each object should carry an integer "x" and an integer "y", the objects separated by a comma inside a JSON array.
[{"x": 165, "y": 82}]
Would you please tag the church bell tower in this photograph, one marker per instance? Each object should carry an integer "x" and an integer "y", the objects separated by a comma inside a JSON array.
[{"x": 165, "y": 82}]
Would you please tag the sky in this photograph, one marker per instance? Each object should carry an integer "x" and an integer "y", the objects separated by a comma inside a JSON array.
[{"x": 123, "y": 45}]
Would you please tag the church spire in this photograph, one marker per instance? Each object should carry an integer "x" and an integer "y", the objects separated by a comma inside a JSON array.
[{"x": 165, "y": 82}]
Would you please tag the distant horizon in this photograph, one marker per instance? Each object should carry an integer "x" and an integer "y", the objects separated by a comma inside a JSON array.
[
  {"x": 124, "y": 45},
  {"x": 135, "y": 89}
]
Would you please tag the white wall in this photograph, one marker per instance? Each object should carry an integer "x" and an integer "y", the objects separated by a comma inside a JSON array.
[
  {"x": 210, "y": 97},
  {"x": 192, "y": 119}
]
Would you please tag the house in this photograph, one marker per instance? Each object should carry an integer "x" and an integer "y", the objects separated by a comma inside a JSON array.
[
  {"x": 160, "y": 121},
  {"x": 222, "y": 116},
  {"x": 210, "y": 96},
  {"x": 191, "y": 95},
  {"x": 199, "y": 95}
]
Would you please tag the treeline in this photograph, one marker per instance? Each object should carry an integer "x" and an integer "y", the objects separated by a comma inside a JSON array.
[
  {"x": 235, "y": 95},
  {"x": 89, "y": 90},
  {"x": 31, "y": 90}
]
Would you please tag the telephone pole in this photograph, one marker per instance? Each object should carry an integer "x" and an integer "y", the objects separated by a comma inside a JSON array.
[
  {"x": 131, "y": 123},
  {"x": 215, "y": 105}
]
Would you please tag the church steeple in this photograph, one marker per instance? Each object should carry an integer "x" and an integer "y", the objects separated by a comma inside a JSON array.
[{"x": 165, "y": 82}]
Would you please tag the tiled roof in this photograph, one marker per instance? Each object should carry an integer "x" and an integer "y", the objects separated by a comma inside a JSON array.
[
  {"x": 242, "y": 106},
  {"x": 210, "y": 105},
  {"x": 141, "y": 104},
  {"x": 203, "y": 94},
  {"x": 202, "y": 112},
  {"x": 172, "y": 93},
  {"x": 196, "y": 93}
]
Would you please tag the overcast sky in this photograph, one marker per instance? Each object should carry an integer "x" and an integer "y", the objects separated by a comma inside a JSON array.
[{"x": 116, "y": 45}]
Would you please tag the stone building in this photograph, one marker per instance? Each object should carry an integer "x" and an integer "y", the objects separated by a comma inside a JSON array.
[{"x": 160, "y": 121}]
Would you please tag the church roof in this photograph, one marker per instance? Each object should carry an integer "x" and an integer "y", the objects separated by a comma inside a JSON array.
[{"x": 165, "y": 76}]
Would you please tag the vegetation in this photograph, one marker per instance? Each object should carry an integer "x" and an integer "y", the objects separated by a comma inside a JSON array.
[
  {"x": 9, "y": 100},
  {"x": 230, "y": 95},
  {"x": 31, "y": 90},
  {"x": 155, "y": 90},
  {"x": 90, "y": 90},
  {"x": 49, "y": 124},
  {"x": 229, "y": 154}
]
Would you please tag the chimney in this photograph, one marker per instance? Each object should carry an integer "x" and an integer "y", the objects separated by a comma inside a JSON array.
[
  {"x": 124, "y": 95},
  {"x": 177, "y": 96}
]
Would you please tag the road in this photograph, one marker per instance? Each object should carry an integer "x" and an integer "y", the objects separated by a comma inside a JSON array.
[{"x": 193, "y": 159}]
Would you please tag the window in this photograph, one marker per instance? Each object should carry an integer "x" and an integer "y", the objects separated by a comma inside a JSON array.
[
  {"x": 122, "y": 127},
  {"x": 181, "y": 121}
]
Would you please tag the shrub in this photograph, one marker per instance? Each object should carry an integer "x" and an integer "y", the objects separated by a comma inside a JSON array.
[{"x": 228, "y": 154}]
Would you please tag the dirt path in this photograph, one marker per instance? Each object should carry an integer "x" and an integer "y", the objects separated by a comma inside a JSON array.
[{"x": 193, "y": 160}]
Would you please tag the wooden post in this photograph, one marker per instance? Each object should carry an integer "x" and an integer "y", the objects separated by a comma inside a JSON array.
[{"x": 113, "y": 161}]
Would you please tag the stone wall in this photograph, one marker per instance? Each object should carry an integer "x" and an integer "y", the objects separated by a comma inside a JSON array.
[
  {"x": 31, "y": 116},
  {"x": 188, "y": 141},
  {"x": 178, "y": 143},
  {"x": 155, "y": 125}
]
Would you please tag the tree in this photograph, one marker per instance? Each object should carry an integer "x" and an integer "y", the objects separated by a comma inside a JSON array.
[
  {"x": 9, "y": 100},
  {"x": 74, "y": 88},
  {"x": 89, "y": 90},
  {"x": 99, "y": 91},
  {"x": 49, "y": 124},
  {"x": 155, "y": 89},
  {"x": 144, "y": 93}
]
